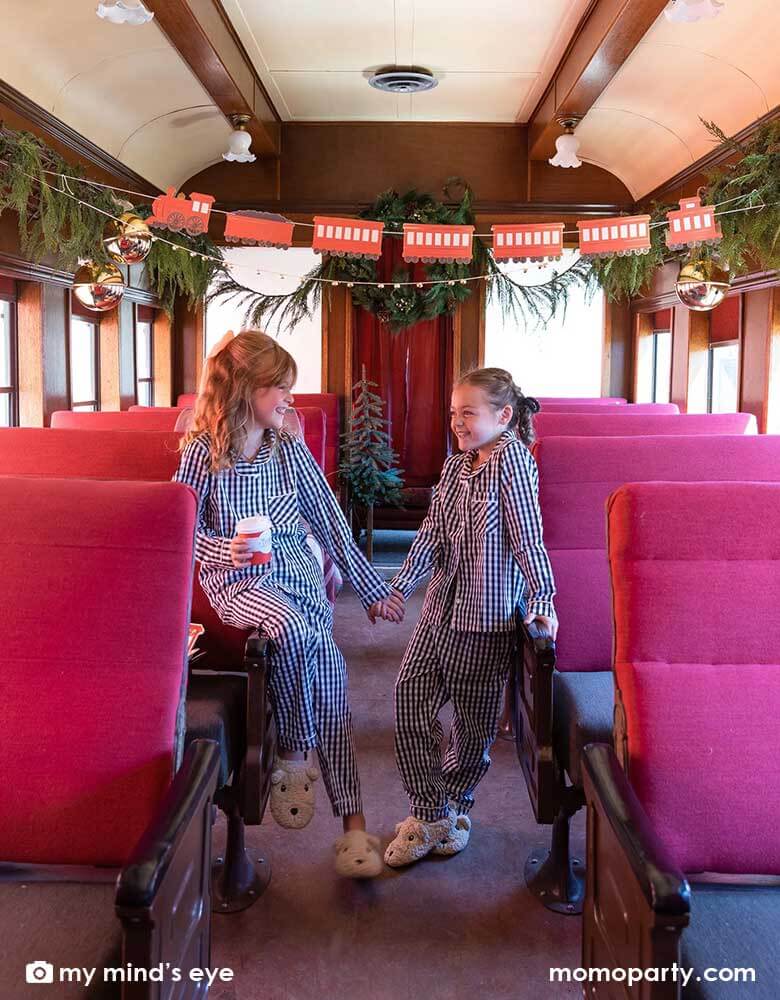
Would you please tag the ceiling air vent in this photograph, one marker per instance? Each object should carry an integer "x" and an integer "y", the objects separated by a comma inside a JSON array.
[{"x": 403, "y": 80}]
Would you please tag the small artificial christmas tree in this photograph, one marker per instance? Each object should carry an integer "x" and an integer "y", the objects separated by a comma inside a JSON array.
[{"x": 368, "y": 466}]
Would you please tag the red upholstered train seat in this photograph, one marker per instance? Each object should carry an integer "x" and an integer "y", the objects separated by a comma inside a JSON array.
[
  {"x": 156, "y": 418},
  {"x": 630, "y": 409},
  {"x": 93, "y": 633},
  {"x": 313, "y": 421},
  {"x": 700, "y": 691},
  {"x": 186, "y": 398},
  {"x": 609, "y": 425},
  {"x": 577, "y": 475},
  {"x": 587, "y": 400},
  {"x": 329, "y": 403}
]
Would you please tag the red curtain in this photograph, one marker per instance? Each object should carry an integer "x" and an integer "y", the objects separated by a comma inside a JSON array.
[{"x": 413, "y": 372}]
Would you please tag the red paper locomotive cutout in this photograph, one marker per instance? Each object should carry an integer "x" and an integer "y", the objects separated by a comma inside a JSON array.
[
  {"x": 536, "y": 241},
  {"x": 177, "y": 213},
  {"x": 347, "y": 237},
  {"x": 692, "y": 224},
  {"x": 621, "y": 237},
  {"x": 431, "y": 243},
  {"x": 260, "y": 229}
]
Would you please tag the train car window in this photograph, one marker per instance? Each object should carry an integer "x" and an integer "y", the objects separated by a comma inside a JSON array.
[
  {"x": 266, "y": 269},
  {"x": 561, "y": 358},
  {"x": 723, "y": 378},
  {"x": 9, "y": 376},
  {"x": 84, "y": 364},
  {"x": 662, "y": 366},
  {"x": 773, "y": 408},
  {"x": 144, "y": 366}
]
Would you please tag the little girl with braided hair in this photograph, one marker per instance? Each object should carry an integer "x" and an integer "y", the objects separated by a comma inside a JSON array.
[{"x": 482, "y": 542}]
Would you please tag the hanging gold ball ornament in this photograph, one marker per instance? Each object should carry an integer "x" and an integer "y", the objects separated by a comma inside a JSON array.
[
  {"x": 128, "y": 239},
  {"x": 702, "y": 284},
  {"x": 99, "y": 287}
]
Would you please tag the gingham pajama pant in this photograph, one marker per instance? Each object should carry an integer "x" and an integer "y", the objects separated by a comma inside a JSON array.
[
  {"x": 469, "y": 669},
  {"x": 307, "y": 685}
]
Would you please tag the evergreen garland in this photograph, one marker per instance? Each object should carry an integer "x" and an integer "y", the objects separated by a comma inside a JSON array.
[{"x": 407, "y": 305}]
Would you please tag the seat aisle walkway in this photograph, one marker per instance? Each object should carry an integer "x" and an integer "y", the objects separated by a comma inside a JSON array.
[{"x": 461, "y": 927}]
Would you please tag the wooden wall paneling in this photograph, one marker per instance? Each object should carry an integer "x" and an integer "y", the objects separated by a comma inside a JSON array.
[
  {"x": 56, "y": 330},
  {"x": 109, "y": 392},
  {"x": 162, "y": 359},
  {"x": 617, "y": 369},
  {"x": 29, "y": 314},
  {"x": 469, "y": 332},
  {"x": 337, "y": 374},
  {"x": 759, "y": 310},
  {"x": 698, "y": 331},
  {"x": 188, "y": 338}
]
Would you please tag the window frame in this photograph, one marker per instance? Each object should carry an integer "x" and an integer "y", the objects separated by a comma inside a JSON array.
[
  {"x": 12, "y": 389},
  {"x": 136, "y": 380},
  {"x": 93, "y": 320},
  {"x": 711, "y": 369},
  {"x": 654, "y": 363}
]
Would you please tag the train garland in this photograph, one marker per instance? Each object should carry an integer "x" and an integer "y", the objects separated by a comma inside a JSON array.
[{"x": 63, "y": 217}]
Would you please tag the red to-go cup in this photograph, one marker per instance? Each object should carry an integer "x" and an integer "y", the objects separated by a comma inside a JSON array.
[{"x": 257, "y": 533}]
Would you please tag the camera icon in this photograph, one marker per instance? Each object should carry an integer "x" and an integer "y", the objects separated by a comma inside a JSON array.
[{"x": 39, "y": 972}]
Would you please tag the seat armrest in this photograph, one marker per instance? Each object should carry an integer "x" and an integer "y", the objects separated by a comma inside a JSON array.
[
  {"x": 191, "y": 790},
  {"x": 637, "y": 901},
  {"x": 608, "y": 792},
  {"x": 531, "y": 694}
]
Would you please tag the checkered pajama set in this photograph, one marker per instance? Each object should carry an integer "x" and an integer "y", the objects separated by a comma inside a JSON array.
[
  {"x": 285, "y": 598},
  {"x": 482, "y": 539}
]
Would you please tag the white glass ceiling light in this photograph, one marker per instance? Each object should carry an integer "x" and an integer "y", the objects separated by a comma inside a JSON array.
[
  {"x": 567, "y": 145},
  {"x": 240, "y": 141},
  {"x": 124, "y": 12},
  {"x": 692, "y": 10}
]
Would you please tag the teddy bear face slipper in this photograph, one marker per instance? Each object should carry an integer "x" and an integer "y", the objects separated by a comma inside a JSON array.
[
  {"x": 413, "y": 840},
  {"x": 358, "y": 855},
  {"x": 292, "y": 793},
  {"x": 456, "y": 837}
]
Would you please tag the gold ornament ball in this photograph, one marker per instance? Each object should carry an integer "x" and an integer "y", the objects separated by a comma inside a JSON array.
[
  {"x": 99, "y": 287},
  {"x": 128, "y": 239},
  {"x": 702, "y": 284}
]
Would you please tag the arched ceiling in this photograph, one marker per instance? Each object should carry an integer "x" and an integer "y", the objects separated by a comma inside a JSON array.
[
  {"x": 123, "y": 87},
  {"x": 645, "y": 127}
]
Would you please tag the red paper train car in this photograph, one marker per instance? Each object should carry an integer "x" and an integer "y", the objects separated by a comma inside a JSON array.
[
  {"x": 261, "y": 229},
  {"x": 535, "y": 241},
  {"x": 431, "y": 243},
  {"x": 347, "y": 237},
  {"x": 692, "y": 224},
  {"x": 172, "y": 211},
  {"x": 625, "y": 235}
]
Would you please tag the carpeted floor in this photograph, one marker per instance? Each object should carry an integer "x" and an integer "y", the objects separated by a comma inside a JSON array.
[{"x": 461, "y": 927}]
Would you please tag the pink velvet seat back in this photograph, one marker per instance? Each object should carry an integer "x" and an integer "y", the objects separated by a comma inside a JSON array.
[
  {"x": 156, "y": 418},
  {"x": 186, "y": 398},
  {"x": 587, "y": 400},
  {"x": 696, "y": 580},
  {"x": 611, "y": 425},
  {"x": 630, "y": 409},
  {"x": 577, "y": 475},
  {"x": 95, "y": 592}
]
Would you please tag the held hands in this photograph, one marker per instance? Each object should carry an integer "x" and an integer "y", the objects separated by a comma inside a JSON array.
[
  {"x": 392, "y": 608},
  {"x": 549, "y": 624}
]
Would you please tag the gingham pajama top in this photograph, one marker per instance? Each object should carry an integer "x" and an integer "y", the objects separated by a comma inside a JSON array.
[
  {"x": 482, "y": 538},
  {"x": 285, "y": 484}
]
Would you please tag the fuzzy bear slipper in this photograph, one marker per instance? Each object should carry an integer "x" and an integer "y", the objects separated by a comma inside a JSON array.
[
  {"x": 413, "y": 840},
  {"x": 358, "y": 855},
  {"x": 292, "y": 793},
  {"x": 456, "y": 837}
]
